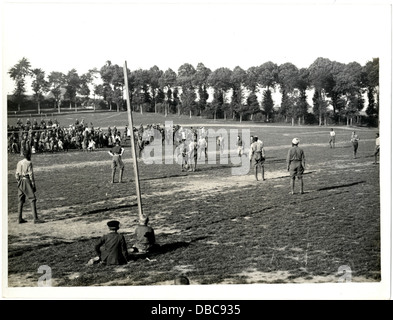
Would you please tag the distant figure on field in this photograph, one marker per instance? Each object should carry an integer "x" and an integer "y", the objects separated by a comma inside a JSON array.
[
  {"x": 193, "y": 154},
  {"x": 111, "y": 249},
  {"x": 145, "y": 237},
  {"x": 26, "y": 186},
  {"x": 332, "y": 140},
  {"x": 296, "y": 163},
  {"x": 116, "y": 152},
  {"x": 355, "y": 143},
  {"x": 202, "y": 147},
  {"x": 240, "y": 146},
  {"x": 141, "y": 146},
  {"x": 221, "y": 143},
  {"x": 257, "y": 155},
  {"x": 183, "y": 155},
  {"x": 376, "y": 153},
  {"x": 92, "y": 145}
]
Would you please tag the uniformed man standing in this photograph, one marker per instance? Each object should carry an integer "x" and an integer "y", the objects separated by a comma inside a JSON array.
[
  {"x": 116, "y": 152},
  {"x": 257, "y": 155},
  {"x": 26, "y": 186},
  {"x": 296, "y": 163}
]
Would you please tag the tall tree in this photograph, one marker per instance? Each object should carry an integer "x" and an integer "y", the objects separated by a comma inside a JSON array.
[
  {"x": 348, "y": 86},
  {"x": 155, "y": 75},
  {"x": 185, "y": 79},
  {"x": 55, "y": 81},
  {"x": 92, "y": 76},
  {"x": 167, "y": 83},
  {"x": 141, "y": 96},
  {"x": 201, "y": 82},
  {"x": 118, "y": 83},
  {"x": 267, "y": 75},
  {"x": 72, "y": 85},
  {"x": 332, "y": 90},
  {"x": 106, "y": 73},
  {"x": 131, "y": 86},
  {"x": 39, "y": 86},
  {"x": 238, "y": 80},
  {"x": 371, "y": 83},
  {"x": 84, "y": 90},
  {"x": 176, "y": 99},
  {"x": 320, "y": 73},
  {"x": 18, "y": 73},
  {"x": 267, "y": 104},
  {"x": 220, "y": 81},
  {"x": 253, "y": 104},
  {"x": 286, "y": 78},
  {"x": 160, "y": 97},
  {"x": 267, "y": 78},
  {"x": 251, "y": 81},
  {"x": 98, "y": 91},
  {"x": 303, "y": 85}
]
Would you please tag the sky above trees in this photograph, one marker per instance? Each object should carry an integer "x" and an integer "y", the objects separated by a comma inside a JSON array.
[{"x": 84, "y": 35}]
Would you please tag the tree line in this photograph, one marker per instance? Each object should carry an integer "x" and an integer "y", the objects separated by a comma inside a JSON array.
[{"x": 338, "y": 90}]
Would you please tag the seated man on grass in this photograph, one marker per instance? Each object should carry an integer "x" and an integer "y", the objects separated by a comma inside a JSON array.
[
  {"x": 145, "y": 238},
  {"x": 111, "y": 249}
]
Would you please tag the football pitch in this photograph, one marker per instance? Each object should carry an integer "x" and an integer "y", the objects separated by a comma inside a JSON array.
[{"x": 213, "y": 226}]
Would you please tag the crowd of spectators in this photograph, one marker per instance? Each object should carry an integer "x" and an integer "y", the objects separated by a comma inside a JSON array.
[{"x": 51, "y": 136}]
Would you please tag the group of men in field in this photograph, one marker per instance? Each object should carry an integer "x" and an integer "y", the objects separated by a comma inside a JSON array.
[
  {"x": 190, "y": 149},
  {"x": 111, "y": 248}
]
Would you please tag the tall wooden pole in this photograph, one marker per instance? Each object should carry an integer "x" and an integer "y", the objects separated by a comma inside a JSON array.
[{"x": 131, "y": 128}]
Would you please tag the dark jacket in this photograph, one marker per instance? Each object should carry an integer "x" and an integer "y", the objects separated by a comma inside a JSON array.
[{"x": 112, "y": 249}]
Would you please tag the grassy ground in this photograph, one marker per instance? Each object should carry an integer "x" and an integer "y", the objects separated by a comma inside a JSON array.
[{"x": 214, "y": 227}]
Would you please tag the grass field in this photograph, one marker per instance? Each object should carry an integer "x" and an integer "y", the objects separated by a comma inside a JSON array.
[{"x": 214, "y": 227}]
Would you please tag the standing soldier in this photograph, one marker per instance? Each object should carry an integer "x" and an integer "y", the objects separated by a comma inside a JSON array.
[
  {"x": 116, "y": 152},
  {"x": 26, "y": 186},
  {"x": 240, "y": 147},
  {"x": 193, "y": 154},
  {"x": 296, "y": 163},
  {"x": 202, "y": 147},
  {"x": 182, "y": 155},
  {"x": 220, "y": 143},
  {"x": 355, "y": 143},
  {"x": 257, "y": 154},
  {"x": 332, "y": 140}
]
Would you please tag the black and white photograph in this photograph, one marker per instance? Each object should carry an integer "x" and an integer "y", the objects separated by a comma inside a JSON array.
[{"x": 242, "y": 149}]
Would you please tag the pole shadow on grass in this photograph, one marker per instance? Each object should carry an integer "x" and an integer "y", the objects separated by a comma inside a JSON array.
[
  {"x": 341, "y": 186},
  {"x": 100, "y": 210},
  {"x": 288, "y": 176}
]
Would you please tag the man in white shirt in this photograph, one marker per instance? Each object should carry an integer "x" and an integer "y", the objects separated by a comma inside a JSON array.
[
  {"x": 240, "y": 147},
  {"x": 26, "y": 186},
  {"x": 193, "y": 155},
  {"x": 257, "y": 154},
  {"x": 332, "y": 140},
  {"x": 202, "y": 147}
]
